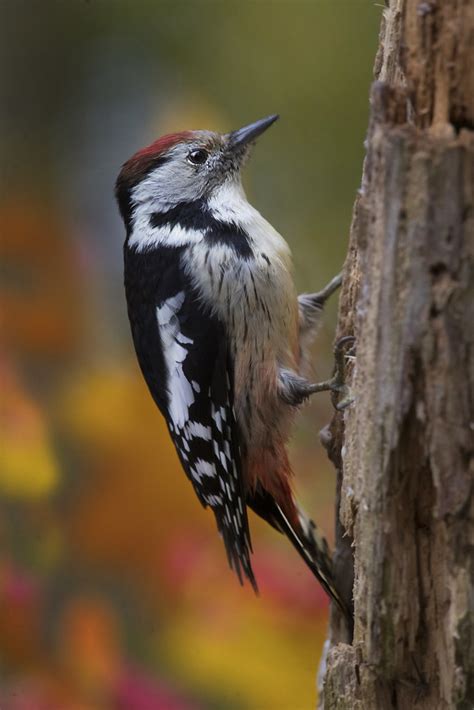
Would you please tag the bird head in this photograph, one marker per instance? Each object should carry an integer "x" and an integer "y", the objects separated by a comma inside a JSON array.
[{"x": 184, "y": 167}]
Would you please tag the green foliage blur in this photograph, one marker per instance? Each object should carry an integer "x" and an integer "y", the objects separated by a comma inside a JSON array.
[{"x": 114, "y": 587}]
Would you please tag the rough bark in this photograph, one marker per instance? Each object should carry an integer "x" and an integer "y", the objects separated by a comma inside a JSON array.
[{"x": 404, "y": 449}]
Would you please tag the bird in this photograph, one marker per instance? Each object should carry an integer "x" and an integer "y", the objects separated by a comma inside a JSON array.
[{"x": 220, "y": 334}]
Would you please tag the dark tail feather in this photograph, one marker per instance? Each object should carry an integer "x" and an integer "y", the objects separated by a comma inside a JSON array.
[
  {"x": 238, "y": 550},
  {"x": 306, "y": 540},
  {"x": 314, "y": 550}
]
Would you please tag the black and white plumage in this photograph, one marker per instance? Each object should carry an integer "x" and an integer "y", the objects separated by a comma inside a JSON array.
[
  {"x": 184, "y": 356},
  {"x": 219, "y": 333}
]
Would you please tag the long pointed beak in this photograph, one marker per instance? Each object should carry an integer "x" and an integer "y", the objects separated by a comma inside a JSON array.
[{"x": 247, "y": 134}]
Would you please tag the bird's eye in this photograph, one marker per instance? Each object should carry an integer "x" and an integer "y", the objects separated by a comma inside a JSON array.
[{"x": 198, "y": 157}]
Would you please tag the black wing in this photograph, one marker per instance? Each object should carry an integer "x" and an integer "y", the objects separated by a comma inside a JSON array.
[{"x": 184, "y": 356}]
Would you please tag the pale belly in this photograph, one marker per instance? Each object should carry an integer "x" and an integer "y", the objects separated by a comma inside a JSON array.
[{"x": 264, "y": 338}]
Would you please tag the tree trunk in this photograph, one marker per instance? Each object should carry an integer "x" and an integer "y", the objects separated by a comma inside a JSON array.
[{"x": 404, "y": 448}]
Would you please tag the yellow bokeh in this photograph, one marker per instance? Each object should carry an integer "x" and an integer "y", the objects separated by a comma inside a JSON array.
[
  {"x": 257, "y": 647},
  {"x": 28, "y": 465}
]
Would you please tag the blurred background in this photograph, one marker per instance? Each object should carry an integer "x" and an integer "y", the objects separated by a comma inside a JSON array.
[{"x": 114, "y": 586}]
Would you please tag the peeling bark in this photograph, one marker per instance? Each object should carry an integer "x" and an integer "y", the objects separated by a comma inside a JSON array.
[{"x": 404, "y": 450}]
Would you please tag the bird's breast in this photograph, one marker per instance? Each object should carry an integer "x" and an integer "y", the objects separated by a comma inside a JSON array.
[{"x": 254, "y": 296}]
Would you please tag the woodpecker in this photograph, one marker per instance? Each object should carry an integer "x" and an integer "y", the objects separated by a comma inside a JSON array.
[{"x": 220, "y": 334}]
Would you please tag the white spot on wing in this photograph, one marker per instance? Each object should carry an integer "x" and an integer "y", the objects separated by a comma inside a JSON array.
[
  {"x": 183, "y": 339},
  {"x": 199, "y": 430},
  {"x": 180, "y": 391},
  {"x": 213, "y": 499},
  {"x": 202, "y": 468}
]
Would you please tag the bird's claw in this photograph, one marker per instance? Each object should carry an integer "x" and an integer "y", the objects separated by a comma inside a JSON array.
[
  {"x": 341, "y": 353},
  {"x": 337, "y": 384}
]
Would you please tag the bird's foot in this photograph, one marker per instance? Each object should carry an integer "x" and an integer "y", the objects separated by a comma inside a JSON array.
[
  {"x": 337, "y": 384},
  {"x": 319, "y": 298}
]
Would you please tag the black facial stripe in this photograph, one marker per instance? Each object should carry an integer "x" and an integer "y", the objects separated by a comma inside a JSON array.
[
  {"x": 197, "y": 215},
  {"x": 189, "y": 215}
]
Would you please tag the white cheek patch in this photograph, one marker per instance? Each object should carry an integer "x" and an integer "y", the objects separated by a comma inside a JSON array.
[
  {"x": 172, "y": 182},
  {"x": 181, "y": 394}
]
